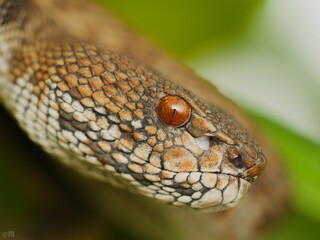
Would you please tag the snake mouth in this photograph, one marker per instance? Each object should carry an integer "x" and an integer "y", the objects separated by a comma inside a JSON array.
[
  {"x": 206, "y": 192},
  {"x": 216, "y": 185},
  {"x": 223, "y": 197}
]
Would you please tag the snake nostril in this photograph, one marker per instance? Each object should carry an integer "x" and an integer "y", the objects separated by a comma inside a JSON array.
[{"x": 235, "y": 157}]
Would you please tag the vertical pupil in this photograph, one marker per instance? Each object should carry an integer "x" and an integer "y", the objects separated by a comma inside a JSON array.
[{"x": 173, "y": 113}]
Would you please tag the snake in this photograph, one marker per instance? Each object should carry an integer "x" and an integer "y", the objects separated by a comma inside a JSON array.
[{"x": 110, "y": 116}]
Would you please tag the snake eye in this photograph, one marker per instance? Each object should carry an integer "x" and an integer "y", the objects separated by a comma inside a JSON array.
[
  {"x": 174, "y": 111},
  {"x": 234, "y": 156}
]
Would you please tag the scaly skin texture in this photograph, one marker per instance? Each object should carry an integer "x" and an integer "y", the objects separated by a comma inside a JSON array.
[{"x": 97, "y": 111}]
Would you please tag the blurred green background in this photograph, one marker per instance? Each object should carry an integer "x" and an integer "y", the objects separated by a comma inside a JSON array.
[{"x": 277, "y": 83}]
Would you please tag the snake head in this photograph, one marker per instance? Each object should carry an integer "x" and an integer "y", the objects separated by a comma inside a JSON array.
[{"x": 218, "y": 160}]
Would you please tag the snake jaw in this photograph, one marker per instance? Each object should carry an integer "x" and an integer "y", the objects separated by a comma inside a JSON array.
[
  {"x": 218, "y": 199},
  {"x": 222, "y": 184}
]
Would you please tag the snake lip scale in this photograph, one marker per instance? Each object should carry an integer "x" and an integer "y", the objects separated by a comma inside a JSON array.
[{"x": 110, "y": 117}]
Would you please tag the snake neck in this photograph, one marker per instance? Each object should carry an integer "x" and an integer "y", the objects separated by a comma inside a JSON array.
[
  {"x": 21, "y": 24},
  {"x": 11, "y": 24},
  {"x": 10, "y": 10}
]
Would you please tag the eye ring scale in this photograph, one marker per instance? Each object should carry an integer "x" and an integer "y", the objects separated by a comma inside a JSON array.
[{"x": 174, "y": 111}]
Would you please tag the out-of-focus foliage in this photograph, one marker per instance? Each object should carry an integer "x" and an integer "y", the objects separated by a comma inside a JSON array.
[
  {"x": 302, "y": 162},
  {"x": 184, "y": 27}
]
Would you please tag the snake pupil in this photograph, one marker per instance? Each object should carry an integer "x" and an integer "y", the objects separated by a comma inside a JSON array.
[{"x": 174, "y": 111}]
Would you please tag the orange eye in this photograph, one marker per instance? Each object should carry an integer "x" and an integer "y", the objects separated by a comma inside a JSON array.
[{"x": 173, "y": 110}]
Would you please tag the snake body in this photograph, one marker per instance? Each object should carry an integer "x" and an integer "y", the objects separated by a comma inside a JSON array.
[{"x": 98, "y": 111}]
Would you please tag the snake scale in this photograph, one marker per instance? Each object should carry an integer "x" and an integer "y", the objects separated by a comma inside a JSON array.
[{"x": 106, "y": 114}]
